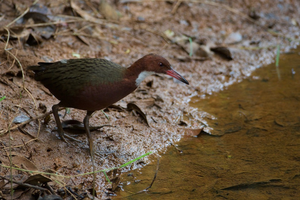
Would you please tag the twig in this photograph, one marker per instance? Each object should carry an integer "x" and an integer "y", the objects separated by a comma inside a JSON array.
[
  {"x": 89, "y": 4},
  {"x": 20, "y": 65},
  {"x": 25, "y": 145},
  {"x": 24, "y": 184},
  {"x": 12, "y": 22},
  {"x": 280, "y": 35},
  {"x": 39, "y": 128},
  {"x": 18, "y": 146},
  {"x": 7, "y": 154},
  {"x": 176, "y": 7},
  {"x": 10, "y": 160},
  {"x": 37, "y": 172},
  {"x": 2, "y": 132},
  {"x": 146, "y": 189},
  {"x": 156, "y": 171},
  {"x": 49, "y": 188},
  {"x": 26, "y": 132},
  {"x": 70, "y": 192},
  {"x": 73, "y": 193},
  {"x": 7, "y": 50}
]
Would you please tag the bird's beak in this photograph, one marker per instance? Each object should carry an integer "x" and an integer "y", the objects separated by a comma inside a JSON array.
[{"x": 176, "y": 75}]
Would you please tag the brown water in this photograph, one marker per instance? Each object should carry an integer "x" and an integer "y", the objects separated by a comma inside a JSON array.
[{"x": 257, "y": 156}]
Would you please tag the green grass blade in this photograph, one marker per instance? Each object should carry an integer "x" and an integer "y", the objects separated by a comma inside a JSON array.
[
  {"x": 106, "y": 177},
  {"x": 277, "y": 61},
  {"x": 277, "y": 55},
  {"x": 2, "y": 98},
  {"x": 132, "y": 161}
]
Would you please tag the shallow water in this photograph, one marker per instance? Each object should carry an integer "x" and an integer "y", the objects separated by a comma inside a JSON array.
[{"x": 256, "y": 154}]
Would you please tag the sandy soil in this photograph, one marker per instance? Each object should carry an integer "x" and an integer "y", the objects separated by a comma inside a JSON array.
[{"x": 247, "y": 32}]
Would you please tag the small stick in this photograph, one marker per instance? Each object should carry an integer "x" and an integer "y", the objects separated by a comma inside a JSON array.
[
  {"x": 2, "y": 132},
  {"x": 24, "y": 184},
  {"x": 156, "y": 171},
  {"x": 20, "y": 65},
  {"x": 12, "y": 22},
  {"x": 176, "y": 7}
]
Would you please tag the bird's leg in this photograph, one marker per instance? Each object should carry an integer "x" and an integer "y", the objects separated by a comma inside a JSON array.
[
  {"x": 60, "y": 130},
  {"x": 91, "y": 144},
  {"x": 87, "y": 129},
  {"x": 58, "y": 123}
]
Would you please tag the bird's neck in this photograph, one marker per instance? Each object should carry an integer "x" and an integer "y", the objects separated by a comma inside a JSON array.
[
  {"x": 137, "y": 72},
  {"x": 142, "y": 76}
]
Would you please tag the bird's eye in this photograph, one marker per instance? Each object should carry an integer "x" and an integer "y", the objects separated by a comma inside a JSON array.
[{"x": 160, "y": 64}]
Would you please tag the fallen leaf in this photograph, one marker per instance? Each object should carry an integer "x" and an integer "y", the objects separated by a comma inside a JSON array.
[
  {"x": 20, "y": 118},
  {"x": 147, "y": 103},
  {"x": 41, "y": 31},
  {"x": 36, "y": 179},
  {"x": 201, "y": 50},
  {"x": 37, "y": 17},
  {"x": 85, "y": 15},
  {"x": 24, "y": 163},
  {"x": 132, "y": 106},
  {"x": 108, "y": 11},
  {"x": 233, "y": 38},
  {"x": 222, "y": 51},
  {"x": 192, "y": 132},
  {"x": 182, "y": 123},
  {"x": 83, "y": 39}
]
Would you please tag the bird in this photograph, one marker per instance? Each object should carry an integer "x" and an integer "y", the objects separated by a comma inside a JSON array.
[{"x": 93, "y": 84}]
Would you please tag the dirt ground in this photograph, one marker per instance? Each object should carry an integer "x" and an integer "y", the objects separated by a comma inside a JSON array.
[{"x": 213, "y": 44}]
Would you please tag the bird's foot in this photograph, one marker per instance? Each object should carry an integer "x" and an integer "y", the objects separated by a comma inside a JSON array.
[
  {"x": 71, "y": 138},
  {"x": 63, "y": 137}
]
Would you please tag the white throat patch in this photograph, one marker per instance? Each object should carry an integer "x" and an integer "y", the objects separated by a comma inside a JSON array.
[{"x": 142, "y": 76}]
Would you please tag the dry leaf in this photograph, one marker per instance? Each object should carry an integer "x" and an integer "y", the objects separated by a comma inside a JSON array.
[
  {"x": 85, "y": 15},
  {"x": 132, "y": 106},
  {"x": 24, "y": 163},
  {"x": 108, "y": 11},
  {"x": 43, "y": 31},
  {"x": 233, "y": 38},
  {"x": 37, "y": 179},
  {"x": 192, "y": 132},
  {"x": 146, "y": 103},
  {"x": 222, "y": 51}
]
